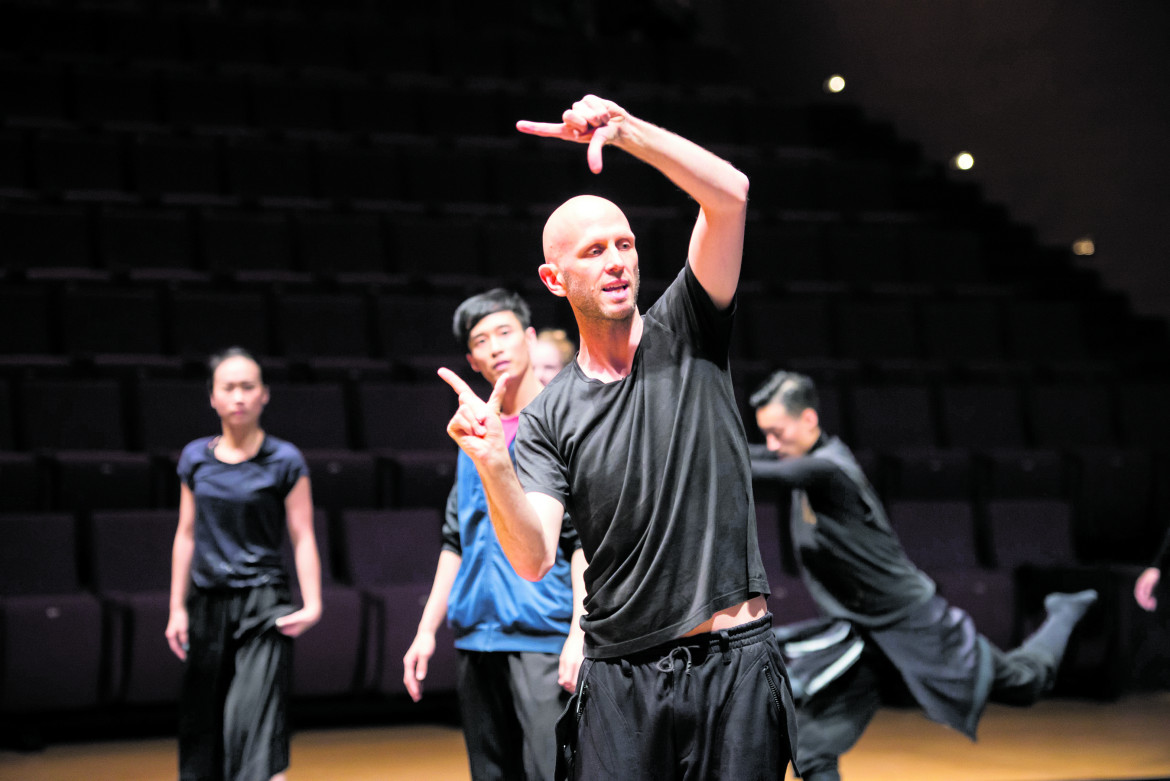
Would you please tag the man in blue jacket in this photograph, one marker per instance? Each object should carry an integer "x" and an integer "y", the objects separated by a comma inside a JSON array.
[{"x": 519, "y": 643}]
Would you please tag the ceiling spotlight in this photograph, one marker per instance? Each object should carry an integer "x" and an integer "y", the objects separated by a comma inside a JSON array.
[
  {"x": 1084, "y": 246},
  {"x": 835, "y": 83},
  {"x": 964, "y": 161}
]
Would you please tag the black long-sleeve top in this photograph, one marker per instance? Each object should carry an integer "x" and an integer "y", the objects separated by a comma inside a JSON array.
[{"x": 851, "y": 560}]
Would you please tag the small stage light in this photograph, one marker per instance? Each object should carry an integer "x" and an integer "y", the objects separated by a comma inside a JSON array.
[
  {"x": 835, "y": 83},
  {"x": 964, "y": 161},
  {"x": 1084, "y": 246}
]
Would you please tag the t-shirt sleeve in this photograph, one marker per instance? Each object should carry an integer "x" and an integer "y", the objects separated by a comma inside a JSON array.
[
  {"x": 570, "y": 541},
  {"x": 186, "y": 468},
  {"x": 538, "y": 464},
  {"x": 294, "y": 468},
  {"x": 451, "y": 540},
  {"x": 686, "y": 308}
]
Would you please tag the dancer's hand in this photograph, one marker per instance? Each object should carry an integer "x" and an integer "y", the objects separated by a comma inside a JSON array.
[
  {"x": 415, "y": 662},
  {"x": 591, "y": 120},
  {"x": 298, "y": 622},
  {"x": 572, "y": 654},
  {"x": 177, "y": 633},
  {"x": 476, "y": 425},
  {"x": 1143, "y": 589}
]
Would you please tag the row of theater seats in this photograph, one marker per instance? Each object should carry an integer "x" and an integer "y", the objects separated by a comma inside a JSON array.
[
  {"x": 84, "y": 607},
  {"x": 422, "y": 41},
  {"x": 131, "y": 167},
  {"x": 292, "y": 315},
  {"x": 84, "y": 599},
  {"x": 223, "y": 101},
  {"x": 1119, "y": 499},
  {"x": 199, "y": 244},
  {"x": 199, "y": 241},
  {"x": 161, "y": 414},
  {"x": 97, "y": 480}
]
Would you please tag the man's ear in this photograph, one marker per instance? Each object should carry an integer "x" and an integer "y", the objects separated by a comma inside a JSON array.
[
  {"x": 551, "y": 277},
  {"x": 474, "y": 364},
  {"x": 811, "y": 418}
]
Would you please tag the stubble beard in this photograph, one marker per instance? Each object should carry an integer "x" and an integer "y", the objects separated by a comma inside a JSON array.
[{"x": 586, "y": 303}]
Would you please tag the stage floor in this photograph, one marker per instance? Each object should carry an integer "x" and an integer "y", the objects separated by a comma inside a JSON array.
[{"x": 1057, "y": 740}]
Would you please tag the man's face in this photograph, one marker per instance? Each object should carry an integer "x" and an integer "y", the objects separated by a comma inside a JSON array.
[
  {"x": 498, "y": 344},
  {"x": 788, "y": 435},
  {"x": 596, "y": 260}
]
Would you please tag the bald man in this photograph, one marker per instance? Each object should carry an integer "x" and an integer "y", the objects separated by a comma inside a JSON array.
[{"x": 640, "y": 440}]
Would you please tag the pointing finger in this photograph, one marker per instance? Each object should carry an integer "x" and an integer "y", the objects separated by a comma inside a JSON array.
[
  {"x": 457, "y": 384},
  {"x": 547, "y": 129}
]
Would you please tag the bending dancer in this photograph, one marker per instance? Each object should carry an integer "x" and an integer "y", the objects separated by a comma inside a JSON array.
[
  {"x": 518, "y": 646},
  {"x": 639, "y": 439},
  {"x": 856, "y": 570},
  {"x": 232, "y": 619}
]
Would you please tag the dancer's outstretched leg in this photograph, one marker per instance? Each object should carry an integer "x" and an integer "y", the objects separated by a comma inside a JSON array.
[{"x": 1025, "y": 674}]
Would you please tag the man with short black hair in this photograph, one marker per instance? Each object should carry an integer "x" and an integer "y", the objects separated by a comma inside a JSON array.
[
  {"x": 856, "y": 570},
  {"x": 519, "y": 643}
]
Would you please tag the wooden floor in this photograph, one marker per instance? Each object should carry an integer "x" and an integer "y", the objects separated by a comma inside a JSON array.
[{"x": 1057, "y": 740}]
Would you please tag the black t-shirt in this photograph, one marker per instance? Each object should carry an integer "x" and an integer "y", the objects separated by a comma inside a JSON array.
[
  {"x": 654, "y": 471},
  {"x": 850, "y": 558},
  {"x": 239, "y": 512}
]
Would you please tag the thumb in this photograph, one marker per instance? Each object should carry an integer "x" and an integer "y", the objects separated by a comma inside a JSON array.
[
  {"x": 601, "y": 136},
  {"x": 495, "y": 401}
]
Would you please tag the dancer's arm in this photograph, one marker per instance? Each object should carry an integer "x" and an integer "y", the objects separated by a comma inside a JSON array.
[
  {"x": 181, "y": 553},
  {"x": 299, "y": 509}
]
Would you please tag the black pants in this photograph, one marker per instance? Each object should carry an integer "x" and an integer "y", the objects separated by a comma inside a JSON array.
[
  {"x": 711, "y": 706},
  {"x": 509, "y": 703},
  {"x": 233, "y": 723},
  {"x": 832, "y": 721}
]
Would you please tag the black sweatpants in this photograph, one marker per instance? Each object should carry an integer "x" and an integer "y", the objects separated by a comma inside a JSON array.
[
  {"x": 832, "y": 721},
  {"x": 233, "y": 722},
  {"x": 711, "y": 706},
  {"x": 509, "y": 703}
]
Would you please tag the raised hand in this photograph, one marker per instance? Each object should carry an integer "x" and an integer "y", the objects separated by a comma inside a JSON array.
[
  {"x": 476, "y": 425},
  {"x": 591, "y": 120}
]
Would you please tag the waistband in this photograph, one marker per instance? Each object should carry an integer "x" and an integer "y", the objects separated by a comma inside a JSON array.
[{"x": 700, "y": 646}]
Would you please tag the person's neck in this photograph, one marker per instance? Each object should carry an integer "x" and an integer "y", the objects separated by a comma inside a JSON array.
[
  {"x": 608, "y": 347},
  {"x": 518, "y": 397},
  {"x": 240, "y": 441}
]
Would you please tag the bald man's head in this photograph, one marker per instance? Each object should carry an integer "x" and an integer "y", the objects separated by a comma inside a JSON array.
[{"x": 573, "y": 219}]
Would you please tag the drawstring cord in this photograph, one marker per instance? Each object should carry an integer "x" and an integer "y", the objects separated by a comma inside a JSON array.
[{"x": 666, "y": 663}]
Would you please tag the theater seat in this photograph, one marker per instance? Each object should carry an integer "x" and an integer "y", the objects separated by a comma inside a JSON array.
[
  {"x": 51, "y": 631},
  {"x": 391, "y": 555}
]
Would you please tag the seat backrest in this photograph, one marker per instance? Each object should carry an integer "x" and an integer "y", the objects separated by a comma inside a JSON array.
[{"x": 39, "y": 554}]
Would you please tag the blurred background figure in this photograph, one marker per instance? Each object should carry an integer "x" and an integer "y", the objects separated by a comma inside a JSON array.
[
  {"x": 232, "y": 619},
  {"x": 553, "y": 351}
]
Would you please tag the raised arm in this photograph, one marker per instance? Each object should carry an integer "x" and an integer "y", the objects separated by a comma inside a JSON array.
[
  {"x": 716, "y": 248},
  {"x": 528, "y": 526}
]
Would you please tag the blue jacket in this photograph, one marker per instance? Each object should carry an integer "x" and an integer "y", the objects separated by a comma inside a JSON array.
[{"x": 491, "y": 608}]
